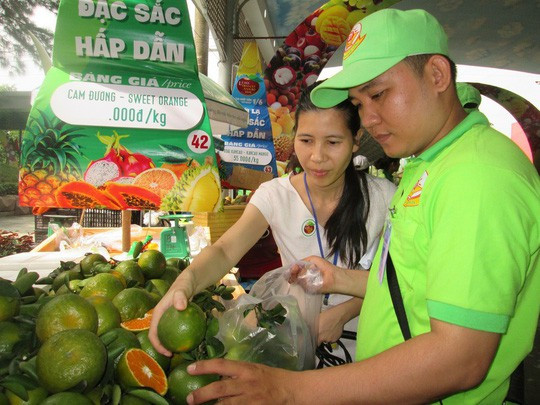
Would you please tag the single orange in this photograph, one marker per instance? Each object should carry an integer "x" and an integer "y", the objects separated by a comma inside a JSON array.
[
  {"x": 131, "y": 271},
  {"x": 138, "y": 324},
  {"x": 152, "y": 263},
  {"x": 70, "y": 357},
  {"x": 137, "y": 368},
  {"x": 182, "y": 331},
  {"x": 10, "y": 334},
  {"x": 36, "y": 396},
  {"x": 181, "y": 383},
  {"x": 67, "y": 397},
  {"x": 10, "y": 300},
  {"x": 157, "y": 180},
  {"x": 124, "y": 339},
  {"x": 102, "y": 285},
  {"x": 108, "y": 314},
  {"x": 67, "y": 311},
  {"x": 134, "y": 303}
]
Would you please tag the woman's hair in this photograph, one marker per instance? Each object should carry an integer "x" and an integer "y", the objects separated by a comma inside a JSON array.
[{"x": 346, "y": 230}]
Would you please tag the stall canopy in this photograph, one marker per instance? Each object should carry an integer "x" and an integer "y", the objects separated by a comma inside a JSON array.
[{"x": 498, "y": 34}]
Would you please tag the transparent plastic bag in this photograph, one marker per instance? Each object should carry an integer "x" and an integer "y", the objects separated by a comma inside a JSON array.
[
  {"x": 67, "y": 237},
  {"x": 250, "y": 331},
  {"x": 112, "y": 239}
]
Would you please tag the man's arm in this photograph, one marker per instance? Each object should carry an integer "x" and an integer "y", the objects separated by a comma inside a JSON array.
[
  {"x": 423, "y": 369},
  {"x": 428, "y": 367}
]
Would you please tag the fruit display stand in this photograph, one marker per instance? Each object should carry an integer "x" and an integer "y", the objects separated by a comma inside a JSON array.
[
  {"x": 46, "y": 255},
  {"x": 50, "y": 244},
  {"x": 215, "y": 224}
]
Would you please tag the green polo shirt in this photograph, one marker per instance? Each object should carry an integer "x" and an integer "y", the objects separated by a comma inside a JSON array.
[{"x": 465, "y": 243}]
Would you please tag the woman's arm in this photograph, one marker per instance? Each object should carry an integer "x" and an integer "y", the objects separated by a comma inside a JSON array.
[
  {"x": 333, "y": 320},
  {"x": 210, "y": 265}
]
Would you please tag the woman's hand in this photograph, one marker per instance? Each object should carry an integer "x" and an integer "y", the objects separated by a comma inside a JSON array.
[
  {"x": 244, "y": 383},
  {"x": 178, "y": 296},
  {"x": 330, "y": 325}
]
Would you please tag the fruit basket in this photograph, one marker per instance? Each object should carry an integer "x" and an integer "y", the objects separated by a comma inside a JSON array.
[{"x": 218, "y": 222}]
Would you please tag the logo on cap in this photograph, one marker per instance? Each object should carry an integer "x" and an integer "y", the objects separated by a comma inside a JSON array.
[{"x": 354, "y": 39}]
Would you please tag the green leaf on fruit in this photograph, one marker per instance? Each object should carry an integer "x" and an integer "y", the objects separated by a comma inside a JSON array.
[{"x": 174, "y": 154}]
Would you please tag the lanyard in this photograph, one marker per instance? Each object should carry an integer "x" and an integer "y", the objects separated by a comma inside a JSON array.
[{"x": 319, "y": 241}]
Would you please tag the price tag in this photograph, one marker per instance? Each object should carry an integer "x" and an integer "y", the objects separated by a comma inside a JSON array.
[{"x": 198, "y": 141}]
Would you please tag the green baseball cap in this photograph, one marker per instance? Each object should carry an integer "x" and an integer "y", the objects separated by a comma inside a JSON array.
[
  {"x": 375, "y": 44},
  {"x": 468, "y": 95}
]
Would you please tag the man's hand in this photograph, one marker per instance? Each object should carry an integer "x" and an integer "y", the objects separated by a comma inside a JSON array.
[
  {"x": 244, "y": 383},
  {"x": 334, "y": 279},
  {"x": 325, "y": 268}
]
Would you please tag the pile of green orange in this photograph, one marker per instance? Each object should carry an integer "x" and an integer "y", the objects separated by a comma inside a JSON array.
[{"x": 81, "y": 334}]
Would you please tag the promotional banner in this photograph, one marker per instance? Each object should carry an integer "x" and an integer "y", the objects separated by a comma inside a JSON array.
[
  {"x": 120, "y": 121},
  {"x": 300, "y": 59},
  {"x": 248, "y": 157}
]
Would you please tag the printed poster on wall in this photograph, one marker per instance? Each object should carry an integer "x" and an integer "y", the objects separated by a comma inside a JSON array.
[
  {"x": 248, "y": 157},
  {"x": 120, "y": 121}
]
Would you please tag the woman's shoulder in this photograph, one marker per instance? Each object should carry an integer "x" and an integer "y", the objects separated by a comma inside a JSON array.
[
  {"x": 276, "y": 183},
  {"x": 276, "y": 186},
  {"x": 379, "y": 185}
]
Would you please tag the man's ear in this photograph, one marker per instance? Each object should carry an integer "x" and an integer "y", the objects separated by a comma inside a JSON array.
[{"x": 439, "y": 72}]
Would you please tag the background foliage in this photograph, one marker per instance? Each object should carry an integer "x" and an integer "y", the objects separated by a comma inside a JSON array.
[{"x": 15, "y": 41}]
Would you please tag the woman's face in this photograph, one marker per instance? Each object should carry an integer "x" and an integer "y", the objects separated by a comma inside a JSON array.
[{"x": 324, "y": 145}]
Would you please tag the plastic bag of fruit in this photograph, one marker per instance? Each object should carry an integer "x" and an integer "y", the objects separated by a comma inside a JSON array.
[{"x": 275, "y": 324}]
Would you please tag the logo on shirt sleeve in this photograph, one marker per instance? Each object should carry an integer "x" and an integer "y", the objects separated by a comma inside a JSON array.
[
  {"x": 413, "y": 199},
  {"x": 308, "y": 227}
]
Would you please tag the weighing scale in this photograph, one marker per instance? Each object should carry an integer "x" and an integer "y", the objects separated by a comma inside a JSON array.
[{"x": 174, "y": 241}]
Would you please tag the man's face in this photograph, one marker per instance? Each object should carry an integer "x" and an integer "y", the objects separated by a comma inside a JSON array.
[{"x": 399, "y": 109}]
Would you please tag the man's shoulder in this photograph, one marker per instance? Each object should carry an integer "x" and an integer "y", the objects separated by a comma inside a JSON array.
[{"x": 484, "y": 146}]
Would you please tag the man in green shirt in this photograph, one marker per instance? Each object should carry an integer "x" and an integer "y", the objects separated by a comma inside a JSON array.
[{"x": 463, "y": 234}]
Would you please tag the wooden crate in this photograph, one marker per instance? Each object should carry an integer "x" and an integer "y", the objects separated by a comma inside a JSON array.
[{"x": 218, "y": 222}]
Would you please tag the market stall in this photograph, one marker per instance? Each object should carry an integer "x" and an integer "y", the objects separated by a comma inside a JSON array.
[{"x": 141, "y": 138}]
